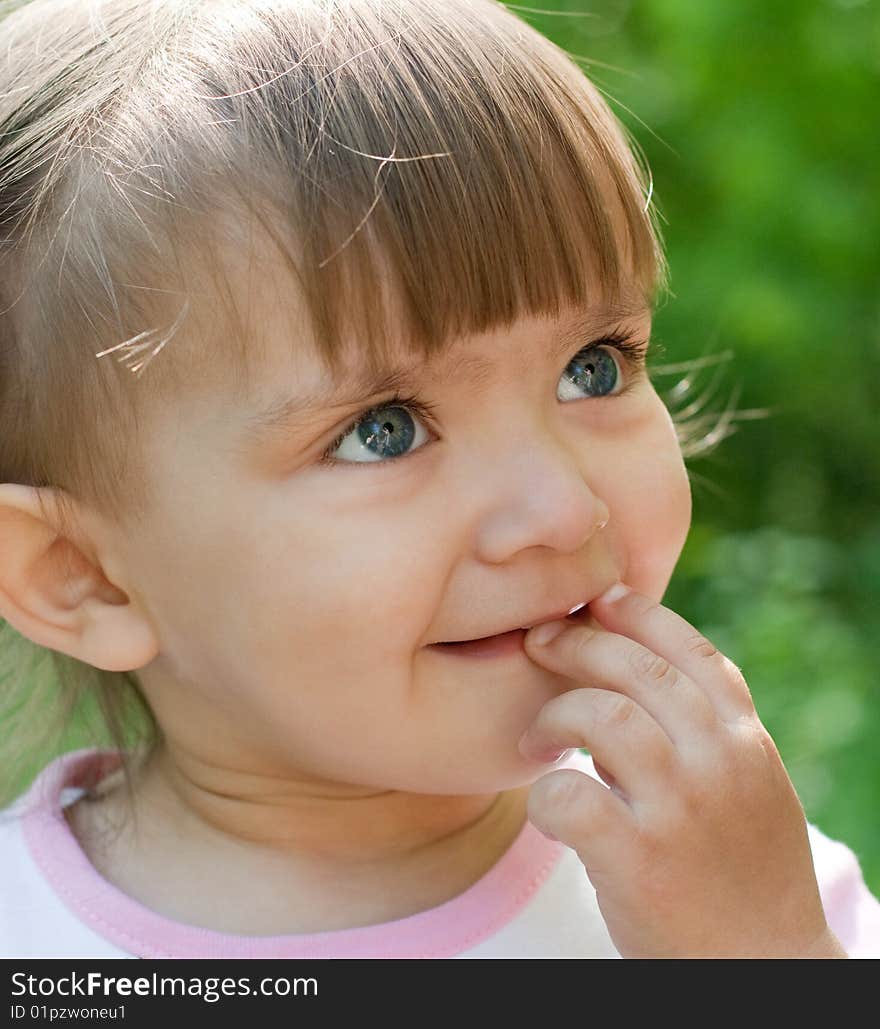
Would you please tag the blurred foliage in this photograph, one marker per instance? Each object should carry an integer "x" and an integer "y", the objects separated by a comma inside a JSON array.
[{"x": 757, "y": 121}]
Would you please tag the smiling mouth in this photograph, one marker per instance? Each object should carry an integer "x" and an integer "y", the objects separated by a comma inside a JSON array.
[{"x": 579, "y": 611}]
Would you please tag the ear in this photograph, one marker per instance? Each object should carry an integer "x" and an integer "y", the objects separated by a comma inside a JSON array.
[{"x": 53, "y": 589}]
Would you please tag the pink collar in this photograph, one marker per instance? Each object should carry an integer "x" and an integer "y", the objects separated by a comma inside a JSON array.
[{"x": 453, "y": 927}]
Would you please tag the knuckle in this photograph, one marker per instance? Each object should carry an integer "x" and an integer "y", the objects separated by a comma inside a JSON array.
[
  {"x": 665, "y": 759},
  {"x": 651, "y": 666},
  {"x": 615, "y": 709},
  {"x": 764, "y": 742},
  {"x": 699, "y": 645}
]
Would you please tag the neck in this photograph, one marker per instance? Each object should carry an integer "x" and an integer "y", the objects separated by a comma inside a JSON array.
[
  {"x": 317, "y": 819},
  {"x": 319, "y": 856}
]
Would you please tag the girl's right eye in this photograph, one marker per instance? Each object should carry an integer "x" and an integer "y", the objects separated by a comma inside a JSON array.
[{"x": 385, "y": 431}]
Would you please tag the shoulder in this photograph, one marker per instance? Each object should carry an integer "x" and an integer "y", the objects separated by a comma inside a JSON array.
[
  {"x": 35, "y": 917},
  {"x": 853, "y": 912},
  {"x": 26, "y": 901}
]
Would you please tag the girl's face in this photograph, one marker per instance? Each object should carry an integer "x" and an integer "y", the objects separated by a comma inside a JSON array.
[{"x": 296, "y": 604}]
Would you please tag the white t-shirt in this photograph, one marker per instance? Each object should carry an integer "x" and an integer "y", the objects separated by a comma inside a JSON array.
[{"x": 535, "y": 902}]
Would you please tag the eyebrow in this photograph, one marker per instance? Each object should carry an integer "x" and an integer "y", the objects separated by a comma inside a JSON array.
[{"x": 287, "y": 414}]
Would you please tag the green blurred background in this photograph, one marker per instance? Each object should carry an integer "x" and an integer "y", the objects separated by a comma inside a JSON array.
[{"x": 758, "y": 121}]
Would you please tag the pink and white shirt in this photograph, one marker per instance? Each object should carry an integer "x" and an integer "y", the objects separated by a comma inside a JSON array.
[{"x": 535, "y": 902}]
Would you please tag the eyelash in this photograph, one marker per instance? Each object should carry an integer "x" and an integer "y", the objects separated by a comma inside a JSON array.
[{"x": 634, "y": 353}]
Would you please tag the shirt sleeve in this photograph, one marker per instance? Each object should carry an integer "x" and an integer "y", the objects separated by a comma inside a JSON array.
[{"x": 853, "y": 912}]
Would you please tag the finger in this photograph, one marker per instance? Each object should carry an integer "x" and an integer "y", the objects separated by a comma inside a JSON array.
[
  {"x": 591, "y": 654},
  {"x": 669, "y": 636},
  {"x": 604, "y": 775},
  {"x": 618, "y": 733},
  {"x": 583, "y": 814}
]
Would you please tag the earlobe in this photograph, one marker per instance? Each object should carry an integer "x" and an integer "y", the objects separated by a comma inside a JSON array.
[{"x": 55, "y": 594}]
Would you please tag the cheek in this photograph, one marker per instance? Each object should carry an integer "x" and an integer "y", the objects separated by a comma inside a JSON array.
[
  {"x": 651, "y": 510},
  {"x": 346, "y": 577}
]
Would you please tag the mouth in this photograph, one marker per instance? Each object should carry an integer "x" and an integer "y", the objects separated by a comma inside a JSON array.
[{"x": 505, "y": 643}]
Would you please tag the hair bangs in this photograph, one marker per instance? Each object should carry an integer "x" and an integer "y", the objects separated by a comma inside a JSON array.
[{"x": 437, "y": 187}]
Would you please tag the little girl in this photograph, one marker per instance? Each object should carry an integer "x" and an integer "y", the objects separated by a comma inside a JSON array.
[{"x": 323, "y": 403}]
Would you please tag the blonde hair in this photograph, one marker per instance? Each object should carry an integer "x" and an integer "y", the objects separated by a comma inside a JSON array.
[{"x": 426, "y": 169}]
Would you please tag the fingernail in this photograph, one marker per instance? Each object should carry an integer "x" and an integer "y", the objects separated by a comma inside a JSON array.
[
  {"x": 614, "y": 592},
  {"x": 541, "y": 635},
  {"x": 548, "y": 755}
]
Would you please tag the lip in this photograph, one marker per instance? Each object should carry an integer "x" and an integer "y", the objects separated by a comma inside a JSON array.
[
  {"x": 504, "y": 644},
  {"x": 528, "y": 623}
]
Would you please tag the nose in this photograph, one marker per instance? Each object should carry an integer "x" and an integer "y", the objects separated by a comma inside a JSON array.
[{"x": 539, "y": 496}]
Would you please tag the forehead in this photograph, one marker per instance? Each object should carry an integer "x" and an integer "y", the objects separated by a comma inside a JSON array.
[
  {"x": 253, "y": 348},
  {"x": 290, "y": 400}
]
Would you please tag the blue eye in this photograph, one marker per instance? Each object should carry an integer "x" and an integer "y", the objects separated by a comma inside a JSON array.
[
  {"x": 386, "y": 431},
  {"x": 592, "y": 370}
]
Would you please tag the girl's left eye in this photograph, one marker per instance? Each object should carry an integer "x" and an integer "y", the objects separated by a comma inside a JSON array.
[
  {"x": 389, "y": 431},
  {"x": 593, "y": 369}
]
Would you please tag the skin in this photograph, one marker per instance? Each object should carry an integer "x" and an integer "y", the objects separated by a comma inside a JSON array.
[{"x": 279, "y": 613}]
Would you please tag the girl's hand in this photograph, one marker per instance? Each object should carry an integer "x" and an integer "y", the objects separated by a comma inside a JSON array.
[{"x": 698, "y": 846}]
